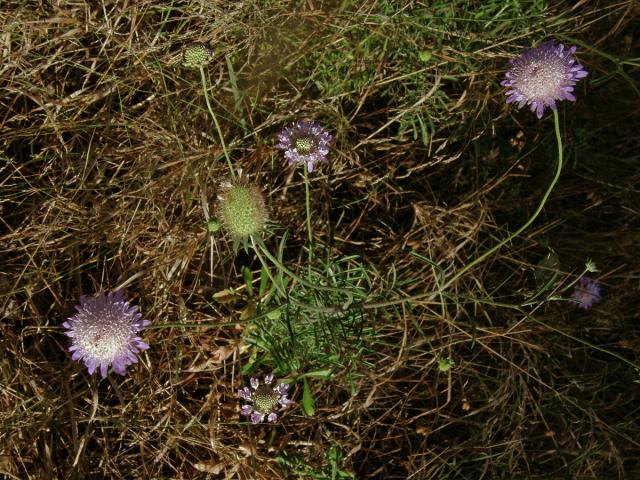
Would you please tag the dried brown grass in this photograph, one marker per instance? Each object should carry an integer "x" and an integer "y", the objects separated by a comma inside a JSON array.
[{"x": 109, "y": 158}]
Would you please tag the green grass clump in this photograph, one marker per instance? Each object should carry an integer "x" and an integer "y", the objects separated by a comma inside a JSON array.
[{"x": 315, "y": 330}]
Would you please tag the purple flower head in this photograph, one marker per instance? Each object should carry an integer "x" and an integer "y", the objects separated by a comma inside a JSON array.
[
  {"x": 304, "y": 142},
  {"x": 586, "y": 293},
  {"x": 264, "y": 399},
  {"x": 103, "y": 333},
  {"x": 542, "y": 75}
]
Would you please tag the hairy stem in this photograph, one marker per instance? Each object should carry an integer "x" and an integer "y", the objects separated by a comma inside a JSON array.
[{"x": 205, "y": 89}]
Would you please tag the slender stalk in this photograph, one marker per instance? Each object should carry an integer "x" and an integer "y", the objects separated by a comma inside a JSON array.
[
  {"x": 586, "y": 343},
  {"x": 565, "y": 334},
  {"x": 493, "y": 250},
  {"x": 308, "y": 206},
  {"x": 266, "y": 267},
  {"x": 497, "y": 247},
  {"x": 205, "y": 89},
  {"x": 252, "y": 446}
]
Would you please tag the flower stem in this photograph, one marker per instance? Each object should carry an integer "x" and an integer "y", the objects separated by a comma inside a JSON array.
[
  {"x": 528, "y": 223},
  {"x": 308, "y": 206},
  {"x": 497, "y": 247},
  {"x": 266, "y": 268},
  {"x": 205, "y": 89}
]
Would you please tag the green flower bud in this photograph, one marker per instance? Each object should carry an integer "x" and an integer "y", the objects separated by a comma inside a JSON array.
[{"x": 590, "y": 265}]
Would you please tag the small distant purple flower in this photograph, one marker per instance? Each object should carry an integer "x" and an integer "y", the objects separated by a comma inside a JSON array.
[
  {"x": 304, "y": 142},
  {"x": 263, "y": 399},
  {"x": 586, "y": 293},
  {"x": 104, "y": 332},
  {"x": 542, "y": 75}
]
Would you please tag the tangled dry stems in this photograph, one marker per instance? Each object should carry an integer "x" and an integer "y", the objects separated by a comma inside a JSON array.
[{"x": 109, "y": 158}]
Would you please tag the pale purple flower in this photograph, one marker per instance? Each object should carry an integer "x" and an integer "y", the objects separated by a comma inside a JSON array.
[
  {"x": 103, "y": 332},
  {"x": 304, "y": 142},
  {"x": 586, "y": 293},
  {"x": 264, "y": 400},
  {"x": 542, "y": 75}
]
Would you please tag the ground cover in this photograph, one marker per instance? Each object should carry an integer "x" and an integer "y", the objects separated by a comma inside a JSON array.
[{"x": 411, "y": 334}]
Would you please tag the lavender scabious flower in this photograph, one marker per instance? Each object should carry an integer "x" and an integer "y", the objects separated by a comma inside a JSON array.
[
  {"x": 304, "y": 142},
  {"x": 263, "y": 399},
  {"x": 586, "y": 293},
  {"x": 104, "y": 331},
  {"x": 542, "y": 75}
]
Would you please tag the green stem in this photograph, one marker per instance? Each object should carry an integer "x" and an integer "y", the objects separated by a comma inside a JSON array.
[
  {"x": 266, "y": 267},
  {"x": 280, "y": 288},
  {"x": 308, "y": 206},
  {"x": 493, "y": 250},
  {"x": 531, "y": 300},
  {"x": 205, "y": 89}
]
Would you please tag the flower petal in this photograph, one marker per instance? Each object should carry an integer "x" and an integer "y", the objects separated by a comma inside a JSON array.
[
  {"x": 256, "y": 417},
  {"x": 541, "y": 76},
  {"x": 104, "y": 332},
  {"x": 245, "y": 393}
]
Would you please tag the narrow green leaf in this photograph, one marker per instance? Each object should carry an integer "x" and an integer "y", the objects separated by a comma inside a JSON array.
[
  {"x": 308, "y": 404},
  {"x": 264, "y": 280},
  {"x": 248, "y": 279},
  {"x": 325, "y": 374}
]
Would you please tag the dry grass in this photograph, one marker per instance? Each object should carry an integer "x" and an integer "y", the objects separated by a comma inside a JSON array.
[{"x": 110, "y": 161}]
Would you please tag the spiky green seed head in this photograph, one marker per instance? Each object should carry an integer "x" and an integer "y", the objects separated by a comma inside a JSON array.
[
  {"x": 241, "y": 210},
  {"x": 197, "y": 55}
]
